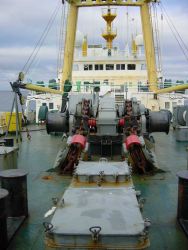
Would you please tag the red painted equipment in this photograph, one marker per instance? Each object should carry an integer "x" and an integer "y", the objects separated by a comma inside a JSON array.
[
  {"x": 121, "y": 122},
  {"x": 132, "y": 140},
  {"x": 92, "y": 123},
  {"x": 79, "y": 139}
]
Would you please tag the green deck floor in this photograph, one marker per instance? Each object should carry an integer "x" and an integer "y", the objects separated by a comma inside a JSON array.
[{"x": 160, "y": 191}]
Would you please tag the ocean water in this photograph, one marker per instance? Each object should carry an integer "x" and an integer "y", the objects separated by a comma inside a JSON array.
[{"x": 6, "y": 100}]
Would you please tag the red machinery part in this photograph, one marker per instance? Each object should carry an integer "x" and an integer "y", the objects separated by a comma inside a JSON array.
[
  {"x": 121, "y": 122},
  {"x": 92, "y": 123},
  {"x": 79, "y": 139},
  {"x": 131, "y": 140}
]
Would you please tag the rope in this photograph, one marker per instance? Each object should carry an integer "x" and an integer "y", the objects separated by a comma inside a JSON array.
[
  {"x": 157, "y": 36},
  {"x": 40, "y": 42},
  {"x": 61, "y": 38},
  {"x": 175, "y": 33}
]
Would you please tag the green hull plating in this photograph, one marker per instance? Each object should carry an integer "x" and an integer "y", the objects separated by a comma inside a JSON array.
[{"x": 37, "y": 156}]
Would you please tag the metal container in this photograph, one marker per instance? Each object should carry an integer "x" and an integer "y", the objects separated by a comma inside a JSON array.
[
  {"x": 181, "y": 133},
  {"x": 158, "y": 121},
  {"x": 183, "y": 195},
  {"x": 8, "y": 157},
  {"x": 15, "y": 181},
  {"x": 3, "y": 219},
  {"x": 103, "y": 172},
  {"x": 57, "y": 122},
  {"x": 182, "y": 215}
]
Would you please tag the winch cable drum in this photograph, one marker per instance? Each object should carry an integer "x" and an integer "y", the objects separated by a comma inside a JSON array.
[
  {"x": 57, "y": 122},
  {"x": 182, "y": 115},
  {"x": 158, "y": 121}
]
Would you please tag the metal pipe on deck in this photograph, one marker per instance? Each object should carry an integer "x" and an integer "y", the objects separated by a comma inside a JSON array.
[
  {"x": 171, "y": 89},
  {"x": 33, "y": 87}
]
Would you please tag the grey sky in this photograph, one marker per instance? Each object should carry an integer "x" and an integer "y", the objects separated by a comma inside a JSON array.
[{"x": 22, "y": 22}]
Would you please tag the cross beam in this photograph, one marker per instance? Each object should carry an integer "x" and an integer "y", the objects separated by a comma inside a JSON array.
[{"x": 92, "y": 3}]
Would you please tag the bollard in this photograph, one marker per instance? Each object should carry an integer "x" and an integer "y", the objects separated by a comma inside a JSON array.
[
  {"x": 15, "y": 181},
  {"x": 182, "y": 214},
  {"x": 3, "y": 219}
]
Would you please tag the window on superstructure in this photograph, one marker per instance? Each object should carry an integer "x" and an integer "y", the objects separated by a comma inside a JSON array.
[
  {"x": 101, "y": 66},
  {"x": 120, "y": 66},
  {"x": 75, "y": 67},
  {"x": 167, "y": 105},
  {"x": 51, "y": 105},
  {"x": 88, "y": 67},
  {"x": 109, "y": 66},
  {"x": 143, "y": 67},
  {"x": 43, "y": 104},
  {"x": 174, "y": 104},
  {"x": 131, "y": 66},
  {"x": 98, "y": 66}
]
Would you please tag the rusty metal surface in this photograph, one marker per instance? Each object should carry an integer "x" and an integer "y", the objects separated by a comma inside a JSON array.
[
  {"x": 106, "y": 172},
  {"x": 122, "y": 217}
]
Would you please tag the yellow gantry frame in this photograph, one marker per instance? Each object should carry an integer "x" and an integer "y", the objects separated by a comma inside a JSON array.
[
  {"x": 70, "y": 42},
  {"x": 147, "y": 33}
]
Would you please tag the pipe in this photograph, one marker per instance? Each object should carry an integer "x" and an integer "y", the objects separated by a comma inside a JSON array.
[
  {"x": 33, "y": 87},
  {"x": 171, "y": 89}
]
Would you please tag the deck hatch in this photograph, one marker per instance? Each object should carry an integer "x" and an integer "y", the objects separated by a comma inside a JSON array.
[
  {"x": 115, "y": 210},
  {"x": 112, "y": 172}
]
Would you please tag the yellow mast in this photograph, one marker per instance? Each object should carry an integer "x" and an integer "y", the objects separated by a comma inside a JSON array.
[
  {"x": 109, "y": 34},
  {"x": 84, "y": 46},
  {"x": 149, "y": 46},
  {"x": 134, "y": 47},
  {"x": 69, "y": 44}
]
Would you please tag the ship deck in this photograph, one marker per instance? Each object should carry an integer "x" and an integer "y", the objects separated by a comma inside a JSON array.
[{"x": 37, "y": 156}]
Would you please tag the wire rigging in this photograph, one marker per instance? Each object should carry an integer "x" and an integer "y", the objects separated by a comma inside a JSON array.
[
  {"x": 40, "y": 42},
  {"x": 157, "y": 36},
  {"x": 175, "y": 33},
  {"x": 61, "y": 37}
]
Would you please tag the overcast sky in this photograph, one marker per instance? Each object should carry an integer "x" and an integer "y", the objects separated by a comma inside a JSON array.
[{"x": 22, "y": 23}]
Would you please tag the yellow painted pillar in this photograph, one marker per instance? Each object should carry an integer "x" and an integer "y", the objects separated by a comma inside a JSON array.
[
  {"x": 69, "y": 44},
  {"x": 149, "y": 47},
  {"x": 84, "y": 46}
]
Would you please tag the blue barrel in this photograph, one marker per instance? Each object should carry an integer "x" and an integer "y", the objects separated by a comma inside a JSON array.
[{"x": 3, "y": 219}]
